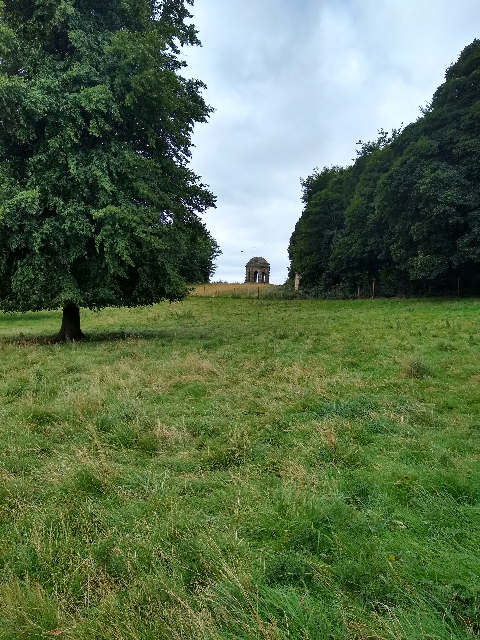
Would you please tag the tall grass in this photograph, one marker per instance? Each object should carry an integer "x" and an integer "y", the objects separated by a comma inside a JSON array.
[
  {"x": 245, "y": 468},
  {"x": 246, "y": 290}
]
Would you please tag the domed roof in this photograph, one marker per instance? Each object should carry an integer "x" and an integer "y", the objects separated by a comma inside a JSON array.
[{"x": 257, "y": 262}]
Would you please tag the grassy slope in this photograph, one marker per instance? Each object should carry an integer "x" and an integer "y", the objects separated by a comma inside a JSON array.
[{"x": 241, "y": 468}]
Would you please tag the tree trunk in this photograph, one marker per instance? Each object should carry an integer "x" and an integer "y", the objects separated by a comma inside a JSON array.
[{"x": 70, "y": 330}]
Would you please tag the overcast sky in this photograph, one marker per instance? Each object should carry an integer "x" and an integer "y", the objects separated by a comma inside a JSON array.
[{"x": 295, "y": 84}]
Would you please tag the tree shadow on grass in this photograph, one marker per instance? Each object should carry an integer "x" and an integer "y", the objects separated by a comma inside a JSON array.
[{"x": 164, "y": 335}]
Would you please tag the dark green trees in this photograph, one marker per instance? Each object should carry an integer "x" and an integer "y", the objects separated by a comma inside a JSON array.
[
  {"x": 319, "y": 227},
  {"x": 201, "y": 250},
  {"x": 97, "y": 204},
  {"x": 412, "y": 216}
]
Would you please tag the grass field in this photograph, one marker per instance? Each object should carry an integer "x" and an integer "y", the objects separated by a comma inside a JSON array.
[
  {"x": 235, "y": 289},
  {"x": 241, "y": 468}
]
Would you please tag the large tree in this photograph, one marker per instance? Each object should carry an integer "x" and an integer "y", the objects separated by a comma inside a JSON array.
[
  {"x": 98, "y": 206},
  {"x": 408, "y": 211}
]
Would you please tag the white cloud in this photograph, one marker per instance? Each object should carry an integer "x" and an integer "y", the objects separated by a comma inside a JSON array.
[{"x": 295, "y": 85}]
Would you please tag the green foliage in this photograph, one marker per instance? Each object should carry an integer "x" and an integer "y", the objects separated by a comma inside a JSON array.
[
  {"x": 201, "y": 251},
  {"x": 97, "y": 204},
  {"x": 322, "y": 222},
  {"x": 409, "y": 216}
]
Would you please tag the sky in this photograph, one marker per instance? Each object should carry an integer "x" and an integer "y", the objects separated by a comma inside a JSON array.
[{"x": 295, "y": 84}]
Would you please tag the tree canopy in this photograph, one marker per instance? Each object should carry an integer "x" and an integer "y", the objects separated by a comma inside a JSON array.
[
  {"x": 98, "y": 206},
  {"x": 406, "y": 213}
]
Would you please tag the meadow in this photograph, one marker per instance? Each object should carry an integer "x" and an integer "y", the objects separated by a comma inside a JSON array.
[
  {"x": 237, "y": 468},
  {"x": 236, "y": 290}
]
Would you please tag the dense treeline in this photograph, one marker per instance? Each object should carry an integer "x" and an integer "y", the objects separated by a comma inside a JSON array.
[{"x": 406, "y": 214}]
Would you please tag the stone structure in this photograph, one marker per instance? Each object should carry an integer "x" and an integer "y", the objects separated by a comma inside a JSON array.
[{"x": 258, "y": 271}]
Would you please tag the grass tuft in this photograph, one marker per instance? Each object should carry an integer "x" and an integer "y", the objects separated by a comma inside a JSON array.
[{"x": 415, "y": 368}]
